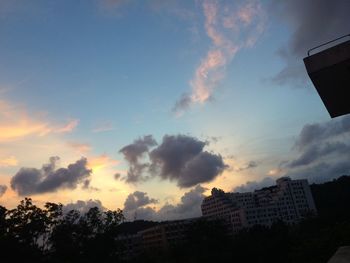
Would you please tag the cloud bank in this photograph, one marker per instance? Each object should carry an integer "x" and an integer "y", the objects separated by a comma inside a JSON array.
[
  {"x": 49, "y": 178},
  {"x": 83, "y": 206},
  {"x": 139, "y": 206},
  {"x": 323, "y": 151},
  {"x": 250, "y": 186}
]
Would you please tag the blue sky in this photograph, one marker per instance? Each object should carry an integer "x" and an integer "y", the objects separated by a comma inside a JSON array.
[{"x": 86, "y": 78}]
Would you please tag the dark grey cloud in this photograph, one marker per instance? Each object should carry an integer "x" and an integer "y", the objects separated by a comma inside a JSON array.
[
  {"x": 3, "y": 189},
  {"x": 133, "y": 154},
  {"x": 321, "y": 172},
  {"x": 323, "y": 151},
  {"x": 250, "y": 165},
  {"x": 83, "y": 206},
  {"x": 138, "y": 199},
  {"x": 313, "y": 22},
  {"x": 50, "y": 178},
  {"x": 117, "y": 176},
  {"x": 137, "y": 205},
  {"x": 316, "y": 152},
  {"x": 189, "y": 206},
  {"x": 182, "y": 104},
  {"x": 316, "y": 132},
  {"x": 181, "y": 158},
  {"x": 255, "y": 185}
]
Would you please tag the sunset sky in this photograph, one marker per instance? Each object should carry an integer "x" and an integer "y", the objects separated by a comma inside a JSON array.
[{"x": 147, "y": 105}]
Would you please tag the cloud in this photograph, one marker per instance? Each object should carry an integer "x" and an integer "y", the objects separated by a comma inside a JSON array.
[
  {"x": 309, "y": 29},
  {"x": 230, "y": 28},
  {"x": 316, "y": 152},
  {"x": 249, "y": 165},
  {"x": 17, "y": 123},
  {"x": 117, "y": 176},
  {"x": 136, "y": 205},
  {"x": 136, "y": 200},
  {"x": 133, "y": 153},
  {"x": 254, "y": 185},
  {"x": 321, "y": 172},
  {"x": 188, "y": 207},
  {"x": 316, "y": 132},
  {"x": 80, "y": 147},
  {"x": 322, "y": 151},
  {"x": 70, "y": 126},
  {"x": 83, "y": 206},
  {"x": 99, "y": 162},
  {"x": 3, "y": 189},
  {"x": 8, "y": 161},
  {"x": 107, "y": 126},
  {"x": 181, "y": 158},
  {"x": 50, "y": 178}
]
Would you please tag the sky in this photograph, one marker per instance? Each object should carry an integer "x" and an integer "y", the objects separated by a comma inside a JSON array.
[{"x": 148, "y": 105}]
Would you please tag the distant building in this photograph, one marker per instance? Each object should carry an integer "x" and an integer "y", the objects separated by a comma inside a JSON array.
[
  {"x": 130, "y": 245},
  {"x": 160, "y": 236},
  {"x": 164, "y": 235},
  {"x": 288, "y": 201}
]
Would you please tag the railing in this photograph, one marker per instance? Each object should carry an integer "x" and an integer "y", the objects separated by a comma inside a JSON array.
[{"x": 308, "y": 53}]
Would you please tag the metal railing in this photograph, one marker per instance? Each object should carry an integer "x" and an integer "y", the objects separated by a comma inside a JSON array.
[{"x": 308, "y": 53}]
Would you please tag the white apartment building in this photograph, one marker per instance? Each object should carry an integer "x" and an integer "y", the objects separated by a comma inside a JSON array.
[{"x": 288, "y": 200}]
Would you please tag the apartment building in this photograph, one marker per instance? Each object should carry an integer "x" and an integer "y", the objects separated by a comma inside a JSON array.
[
  {"x": 289, "y": 200},
  {"x": 165, "y": 234}
]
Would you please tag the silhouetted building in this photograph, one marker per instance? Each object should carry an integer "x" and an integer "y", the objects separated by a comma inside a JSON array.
[
  {"x": 161, "y": 236},
  {"x": 164, "y": 235},
  {"x": 288, "y": 201},
  {"x": 329, "y": 71},
  {"x": 130, "y": 245}
]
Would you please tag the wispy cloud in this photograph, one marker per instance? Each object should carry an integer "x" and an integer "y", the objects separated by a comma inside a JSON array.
[
  {"x": 68, "y": 127},
  {"x": 103, "y": 127},
  {"x": 15, "y": 123},
  {"x": 80, "y": 147},
  {"x": 8, "y": 161},
  {"x": 230, "y": 28},
  {"x": 99, "y": 162}
]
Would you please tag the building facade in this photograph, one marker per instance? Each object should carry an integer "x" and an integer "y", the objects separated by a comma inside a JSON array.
[
  {"x": 288, "y": 201},
  {"x": 166, "y": 234}
]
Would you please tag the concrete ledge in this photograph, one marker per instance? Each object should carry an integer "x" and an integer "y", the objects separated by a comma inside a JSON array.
[{"x": 341, "y": 256}]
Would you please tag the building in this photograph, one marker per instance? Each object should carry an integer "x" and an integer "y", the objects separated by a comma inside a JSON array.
[
  {"x": 152, "y": 237},
  {"x": 329, "y": 72},
  {"x": 288, "y": 201},
  {"x": 164, "y": 235}
]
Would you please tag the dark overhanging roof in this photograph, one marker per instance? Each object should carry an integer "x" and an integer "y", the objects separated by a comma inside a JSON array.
[{"x": 329, "y": 71}]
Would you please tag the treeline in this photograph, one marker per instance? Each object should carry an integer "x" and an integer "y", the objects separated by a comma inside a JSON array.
[{"x": 32, "y": 234}]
